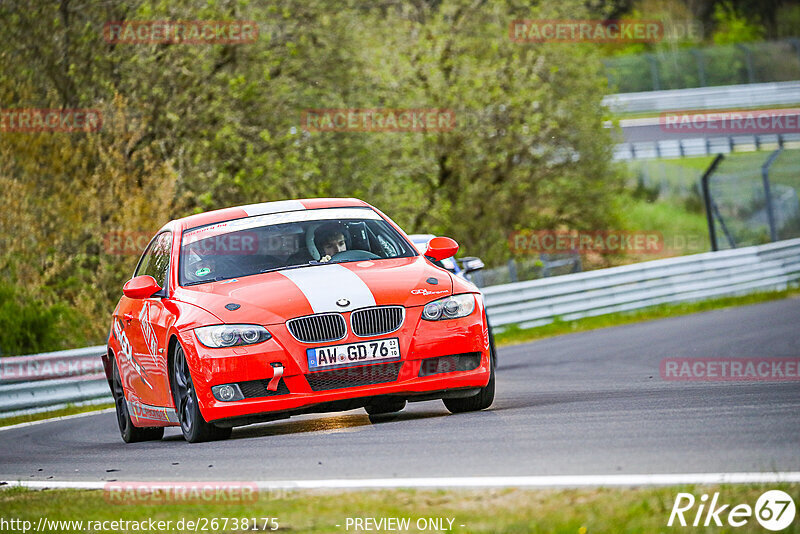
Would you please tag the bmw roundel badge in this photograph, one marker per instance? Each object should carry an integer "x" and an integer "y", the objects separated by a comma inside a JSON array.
[{"x": 343, "y": 302}]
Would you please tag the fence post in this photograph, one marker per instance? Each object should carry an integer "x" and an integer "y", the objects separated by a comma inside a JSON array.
[
  {"x": 773, "y": 231},
  {"x": 712, "y": 233},
  {"x": 609, "y": 75},
  {"x": 654, "y": 71},
  {"x": 748, "y": 58},
  {"x": 795, "y": 42},
  {"x": 701, "y": 68}
]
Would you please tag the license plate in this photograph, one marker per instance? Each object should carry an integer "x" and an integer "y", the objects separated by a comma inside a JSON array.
[{"x": 353, "y": 354}]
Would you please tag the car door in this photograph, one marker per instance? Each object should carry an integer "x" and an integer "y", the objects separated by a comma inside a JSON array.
[{"x": 145, "y": 324}]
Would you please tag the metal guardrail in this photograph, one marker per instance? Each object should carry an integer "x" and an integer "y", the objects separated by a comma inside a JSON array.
[
  {"x": 701, "y": 98},
  {"x": 632, "y": 287},
  {"x": 46, "y": 381},
  {"x": 708, "y": 146},
  {"x": 52, "y": 365},
  {"x": 52, "y": 380}
]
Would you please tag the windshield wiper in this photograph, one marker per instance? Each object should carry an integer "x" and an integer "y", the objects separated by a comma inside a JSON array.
[
  {"x": 215, "y": 279},
  {"x": 285, "y": 268}
]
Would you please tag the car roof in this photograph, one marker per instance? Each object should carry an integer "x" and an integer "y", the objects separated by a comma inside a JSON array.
[{"x": 280, "y": 206}]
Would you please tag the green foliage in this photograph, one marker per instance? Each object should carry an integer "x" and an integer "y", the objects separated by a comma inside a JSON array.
[
  {"x": 189, "y": 128},
  {"x": 694, "y": 203},
  {"x": 788, "y": 20},
  {"x": 642, "y": 191},
  {"x": 30, "y": 325},
  {"x": 734, "y": 27}
]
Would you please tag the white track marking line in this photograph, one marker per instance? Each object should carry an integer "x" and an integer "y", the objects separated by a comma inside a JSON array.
[
  {"x": 52, "y": 419},
  {"x": 555, "y": 481}
]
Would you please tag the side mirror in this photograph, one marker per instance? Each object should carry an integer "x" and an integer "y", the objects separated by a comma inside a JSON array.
[
  {"x": 440, "y": 248},
  {"x": 471, "y": 264},
  {"x": 140, "y": 287}
]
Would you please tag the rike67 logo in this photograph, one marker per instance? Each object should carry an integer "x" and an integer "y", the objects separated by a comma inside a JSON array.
[{"x": 774, "y": 510}]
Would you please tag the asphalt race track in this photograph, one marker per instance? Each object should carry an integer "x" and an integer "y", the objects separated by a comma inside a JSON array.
[
  {"x": 652, "y": 128},
  {"x": 583, "y": 404}
]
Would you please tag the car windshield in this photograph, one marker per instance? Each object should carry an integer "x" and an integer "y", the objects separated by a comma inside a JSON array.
[{"x": 272, "y": 242}]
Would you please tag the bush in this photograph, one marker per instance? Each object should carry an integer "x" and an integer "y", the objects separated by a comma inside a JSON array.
[{"x": 30, "y": 326}]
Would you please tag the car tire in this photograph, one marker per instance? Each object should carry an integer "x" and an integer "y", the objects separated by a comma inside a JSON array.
[
  {"x": 129, "y": 433},
  {"x": 194, "y": 427},
  {"x": 484, "y": 398}
]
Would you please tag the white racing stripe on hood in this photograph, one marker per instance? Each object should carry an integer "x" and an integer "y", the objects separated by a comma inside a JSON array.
[{"x": 325, "y": 284}]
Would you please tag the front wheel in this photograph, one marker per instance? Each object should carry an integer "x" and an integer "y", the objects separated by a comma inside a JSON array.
[
  {"x": 481, "y": 400},
  {"x": 194, "y": 428},
  {"x": 129, "y": 433}
]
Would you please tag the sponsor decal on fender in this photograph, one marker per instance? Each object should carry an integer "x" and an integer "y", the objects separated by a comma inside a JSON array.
[
  {"x": 152, "y": 413},
  {"x": 147, "y": 331},
  {"x": 127, "y": 351},
  {"x": 424, "y": 291}
]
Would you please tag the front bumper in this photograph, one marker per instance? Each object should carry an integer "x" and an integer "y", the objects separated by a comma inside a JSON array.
[{"x": 419, "y": 342}]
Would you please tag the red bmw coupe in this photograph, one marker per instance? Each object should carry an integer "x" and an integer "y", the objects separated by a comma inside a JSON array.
[{"x": 261, "y": 312}]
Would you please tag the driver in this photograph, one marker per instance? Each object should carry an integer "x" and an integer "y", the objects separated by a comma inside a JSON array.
[{"x": 330, "y": 240}]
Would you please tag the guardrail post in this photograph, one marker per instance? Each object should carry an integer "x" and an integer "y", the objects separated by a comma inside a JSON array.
[{"x": 512, "y": 270}]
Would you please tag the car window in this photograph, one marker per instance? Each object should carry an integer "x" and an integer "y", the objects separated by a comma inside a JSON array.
[
  {"x": 155, "y": 260},
  {"x": 253, "y": 245}
]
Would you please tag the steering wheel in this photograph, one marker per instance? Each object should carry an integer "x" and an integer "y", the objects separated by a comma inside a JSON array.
[{"x": 354, "y": 255}]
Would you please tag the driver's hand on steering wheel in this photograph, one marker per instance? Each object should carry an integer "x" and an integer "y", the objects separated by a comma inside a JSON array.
[{"x": 325, "y": 259}]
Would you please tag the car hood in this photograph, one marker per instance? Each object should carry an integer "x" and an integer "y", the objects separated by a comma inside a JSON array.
[{"x": 275, "y": 297}]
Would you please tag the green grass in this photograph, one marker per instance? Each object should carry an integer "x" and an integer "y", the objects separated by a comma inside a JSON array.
[
  {"x": 684, "y": 232},
  {"x": 678, "y": 211},
  {"x": 574, "y": 511},
  {"x": 69, "y": 410},
  {"x": 513, "y": 335}
]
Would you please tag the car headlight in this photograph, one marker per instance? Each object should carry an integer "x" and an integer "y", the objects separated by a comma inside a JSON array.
[
  {"x": 449, "y": 308},
  {"x": 231, "y": 335}
]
